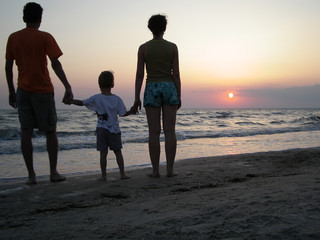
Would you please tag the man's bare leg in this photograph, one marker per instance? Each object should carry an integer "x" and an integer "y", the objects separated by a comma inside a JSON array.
[
  {"x": 27, "y": 152},
  {"x": 52, "y": 148}
]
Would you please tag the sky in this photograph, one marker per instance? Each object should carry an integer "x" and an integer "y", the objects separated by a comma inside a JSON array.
[{"x": 266, "y": 52}]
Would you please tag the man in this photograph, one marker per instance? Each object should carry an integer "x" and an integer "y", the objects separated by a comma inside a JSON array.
[{"x": 34, "y": 98}]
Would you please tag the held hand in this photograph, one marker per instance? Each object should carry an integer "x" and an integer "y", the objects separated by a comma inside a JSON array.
[
  {"x": 68, "y": 96},
  {"x": 68, "y": 102},
  {"x": 133, "y": 110},
  {"x": 137, "y": 105}
]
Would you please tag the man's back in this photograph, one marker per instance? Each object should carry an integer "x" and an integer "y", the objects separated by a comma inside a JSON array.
[{"x": 29, "y": 48}]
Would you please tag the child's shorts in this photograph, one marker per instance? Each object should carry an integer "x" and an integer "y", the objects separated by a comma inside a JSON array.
[
  {"x": 36, "y": 110},
  {"x": 157, "y": 94},
  {"x": 106, "y": 139}
]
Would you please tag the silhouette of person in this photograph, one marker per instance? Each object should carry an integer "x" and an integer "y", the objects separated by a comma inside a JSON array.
[
  {"x": 162, "y": 95},
  {"x": 34, "y": 97},
  {"x": 107, "y": 106}
]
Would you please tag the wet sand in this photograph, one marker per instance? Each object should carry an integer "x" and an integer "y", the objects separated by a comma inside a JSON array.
[{"x": 267, "y": 195}]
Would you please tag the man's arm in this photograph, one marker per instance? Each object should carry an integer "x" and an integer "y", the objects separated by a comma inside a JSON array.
[
  {"x": 9, "y": 76},
  {"x": 57, "y": 67}
]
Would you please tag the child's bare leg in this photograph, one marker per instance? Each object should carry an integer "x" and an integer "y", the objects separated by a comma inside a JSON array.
[
  {"x": 103, "y": 165},
  {"x": 120, "y": 162}
]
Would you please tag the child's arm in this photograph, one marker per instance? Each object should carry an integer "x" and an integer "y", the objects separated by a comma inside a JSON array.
[{"x": 76, "y": 102}]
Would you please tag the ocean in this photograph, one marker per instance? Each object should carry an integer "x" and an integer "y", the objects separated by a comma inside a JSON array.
[{"x": 200, "y": 133}]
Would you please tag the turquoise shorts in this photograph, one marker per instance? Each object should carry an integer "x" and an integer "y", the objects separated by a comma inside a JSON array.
[
  {"x": 157, "y": 94},
  {"x": 36, "y": 110}
]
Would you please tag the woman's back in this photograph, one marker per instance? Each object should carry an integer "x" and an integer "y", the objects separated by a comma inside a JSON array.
[{"x": 159, "y": 58}]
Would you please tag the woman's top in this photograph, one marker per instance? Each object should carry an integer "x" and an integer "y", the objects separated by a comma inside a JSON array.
[{"x": 158, "y": 55}]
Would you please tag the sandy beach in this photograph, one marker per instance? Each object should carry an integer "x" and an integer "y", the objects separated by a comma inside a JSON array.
[{"x": 272, "y": 195}]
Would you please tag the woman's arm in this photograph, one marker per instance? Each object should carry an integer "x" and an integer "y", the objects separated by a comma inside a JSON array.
[
  {"x": 176, "y": 72},
  {"x": 139, "y": 77}
]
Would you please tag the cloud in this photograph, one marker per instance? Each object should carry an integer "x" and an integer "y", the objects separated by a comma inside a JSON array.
[
  {"x": 293, "y": 97},
  {"x": 202, "y": 91}
]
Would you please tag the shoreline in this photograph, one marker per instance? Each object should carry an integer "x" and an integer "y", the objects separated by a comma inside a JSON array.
[
  {"x": 114, "y": 168},
  {"x": 265, "y": 195},
  {"x": 86, "y": 160}
]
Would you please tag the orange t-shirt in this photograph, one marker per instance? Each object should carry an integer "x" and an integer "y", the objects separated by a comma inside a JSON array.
[{"x": 30, "y": 47}]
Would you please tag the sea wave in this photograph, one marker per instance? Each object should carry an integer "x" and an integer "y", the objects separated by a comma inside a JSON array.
[
  {"x": 76, "y": 129},
  {"x": 88, "y": 141}
]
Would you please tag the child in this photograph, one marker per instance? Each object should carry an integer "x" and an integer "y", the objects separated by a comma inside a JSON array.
[{"x": 107, "y": 106}]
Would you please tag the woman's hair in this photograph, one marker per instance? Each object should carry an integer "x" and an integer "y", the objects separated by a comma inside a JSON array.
[
  {"x": 32, "y": 12},
  {"x": 157, "y": 24},
  {"x": 106, "y": 79}
]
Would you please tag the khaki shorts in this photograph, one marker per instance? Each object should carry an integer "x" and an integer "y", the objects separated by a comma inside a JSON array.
[{"x": 36, "y": 110}]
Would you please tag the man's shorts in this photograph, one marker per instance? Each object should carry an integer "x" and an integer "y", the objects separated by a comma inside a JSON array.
[
  {"x": 157, "y": 94},
  {"x": 36, "y": 110},
  {"x": 106, "y": 139}
]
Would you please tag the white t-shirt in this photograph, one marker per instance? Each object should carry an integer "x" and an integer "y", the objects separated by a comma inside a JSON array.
[{"x": 111, "y": 105}]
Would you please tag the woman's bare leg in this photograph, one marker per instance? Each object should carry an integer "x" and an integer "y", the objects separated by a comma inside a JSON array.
[
  {"x": 169, "y": 113},
  {"x": 154, "y": 125}
]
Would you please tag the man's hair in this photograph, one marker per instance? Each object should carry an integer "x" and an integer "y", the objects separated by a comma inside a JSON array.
[
  {"x": 106, "y": 79},
  {"x": 32, "y": 12},
  {"x": 157, "y": 24}
]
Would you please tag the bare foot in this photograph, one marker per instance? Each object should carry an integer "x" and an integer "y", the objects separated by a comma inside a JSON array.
[
  {"x": 172, "y": 174},
  {"x": 57, "y": 178},
  {"x": 102, "y": 179},
  {"x": 32, "y": 180},
  {"x": 153, "y": 175},
  {"x": 123, "y": 177}
]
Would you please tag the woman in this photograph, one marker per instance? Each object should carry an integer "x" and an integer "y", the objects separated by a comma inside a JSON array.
[{"x": 162, "y": 92}]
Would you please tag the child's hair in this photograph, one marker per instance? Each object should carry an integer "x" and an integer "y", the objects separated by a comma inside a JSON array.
[
  {"x": 106, "y": 79},
  {"x": 157, "y": 24},
  {"x": 32, "y": 12}
]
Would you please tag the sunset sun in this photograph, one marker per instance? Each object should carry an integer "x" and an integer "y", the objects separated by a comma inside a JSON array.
[{"x": 230, "y": 95}]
